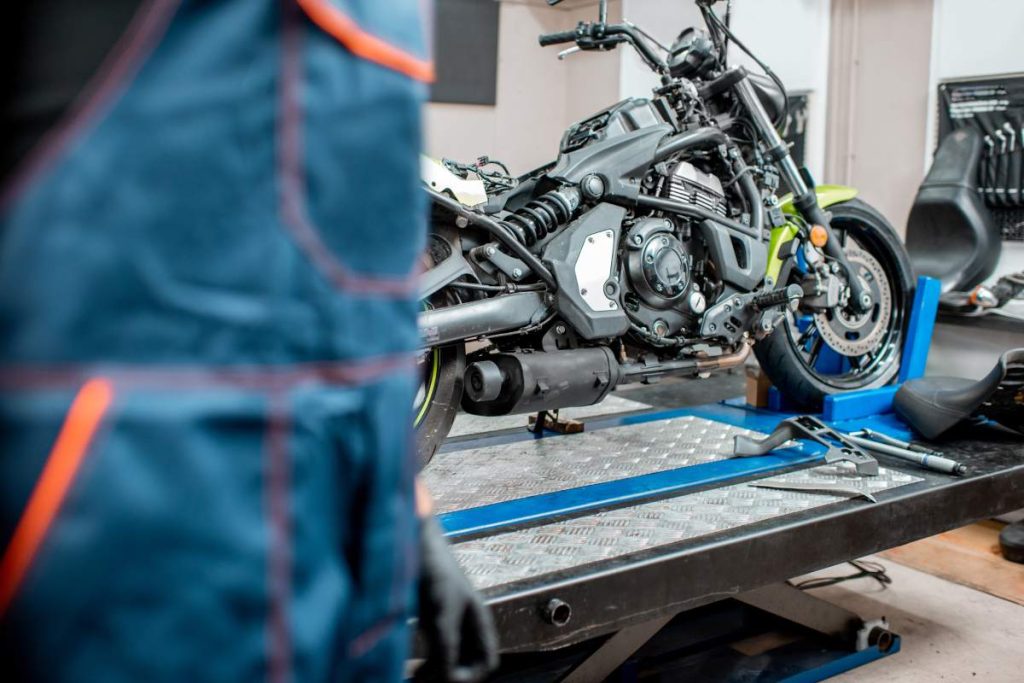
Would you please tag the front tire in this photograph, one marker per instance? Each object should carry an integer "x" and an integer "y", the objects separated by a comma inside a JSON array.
[{"x": 791, "y": 355}]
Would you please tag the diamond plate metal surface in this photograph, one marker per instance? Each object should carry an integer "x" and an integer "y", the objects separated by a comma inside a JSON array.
[
  {"x": 481, "y": 476},
  {"x": 528, "y": 553},
  {"x": 481, "y": 424}
]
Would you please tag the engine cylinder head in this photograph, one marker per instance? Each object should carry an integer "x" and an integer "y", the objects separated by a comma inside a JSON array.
[{"x": 688, "y": 184}]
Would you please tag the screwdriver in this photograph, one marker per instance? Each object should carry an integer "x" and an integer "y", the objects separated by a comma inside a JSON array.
[{"x": 883, "y": 443}]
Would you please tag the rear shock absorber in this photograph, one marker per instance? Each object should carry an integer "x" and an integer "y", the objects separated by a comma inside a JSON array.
[{"x": 543, "y": 215}]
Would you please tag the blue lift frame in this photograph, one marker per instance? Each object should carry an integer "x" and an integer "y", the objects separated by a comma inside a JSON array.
[
  {"x": 846, "y": 412},
  {"x": 915, "y": 356}
]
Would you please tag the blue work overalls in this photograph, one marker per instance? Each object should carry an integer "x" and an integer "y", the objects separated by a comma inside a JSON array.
[{"x": 207, "y": 316}]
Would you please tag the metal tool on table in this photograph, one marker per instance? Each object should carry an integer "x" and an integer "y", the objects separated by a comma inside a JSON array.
[
  {"x": 811, "y": 487},
  {"x": 840, "y": 448},
  {"x": 925, "y": 457},
  {"x": 893, "y": 441}
]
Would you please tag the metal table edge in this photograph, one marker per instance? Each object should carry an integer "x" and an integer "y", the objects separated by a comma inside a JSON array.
[{"x": 648, "y": 580}]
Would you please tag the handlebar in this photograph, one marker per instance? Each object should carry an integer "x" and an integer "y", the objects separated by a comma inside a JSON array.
[
  {"x": 601, "y": 36},
  {"x": 556, "y": 38}
]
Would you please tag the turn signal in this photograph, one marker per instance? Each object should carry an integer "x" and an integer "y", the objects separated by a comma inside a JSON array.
[{"x": 819, "y": 236}]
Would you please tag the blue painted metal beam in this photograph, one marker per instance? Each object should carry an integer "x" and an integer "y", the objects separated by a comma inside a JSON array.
[
  {"x": 853, "y": 404},
  {"x": 506, "y": 515},
  {"x": 844, "y": 664},
  {"x": 497, "y": 517},
  {"x": 920, "y": 328}
]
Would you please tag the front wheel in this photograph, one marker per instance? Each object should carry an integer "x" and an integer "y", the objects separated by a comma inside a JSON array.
[{"x": 810, "y": 356}]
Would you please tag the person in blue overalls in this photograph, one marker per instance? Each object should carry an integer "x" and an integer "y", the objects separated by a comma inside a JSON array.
[{"x": 209, "y": 220}]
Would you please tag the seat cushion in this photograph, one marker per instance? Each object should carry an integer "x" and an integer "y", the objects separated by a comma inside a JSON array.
[{"x": 924, "y": 403}]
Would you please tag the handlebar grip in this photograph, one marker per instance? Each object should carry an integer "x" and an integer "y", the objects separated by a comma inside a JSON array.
[{"x": 556, "y": 38}]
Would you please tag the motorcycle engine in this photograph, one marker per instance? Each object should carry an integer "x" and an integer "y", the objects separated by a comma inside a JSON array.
[
  {"x": 664, "y": 262},
  {"x": 688, "y": 184}
]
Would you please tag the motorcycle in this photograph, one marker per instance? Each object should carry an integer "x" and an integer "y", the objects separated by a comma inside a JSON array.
[{"x": 656, "y": 244}]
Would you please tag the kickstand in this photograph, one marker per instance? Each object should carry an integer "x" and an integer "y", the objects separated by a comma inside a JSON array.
[
  {"x": 808, "y": 427},
  {"x": 549, "y": 420}
]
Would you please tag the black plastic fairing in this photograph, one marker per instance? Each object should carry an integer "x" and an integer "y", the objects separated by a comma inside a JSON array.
[
  {"x": 561, "y": 255},
  {"x": 621, "y": 161},
  {"x": 739, "y": 259}
]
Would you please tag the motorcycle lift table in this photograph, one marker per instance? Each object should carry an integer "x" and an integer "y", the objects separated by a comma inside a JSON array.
[{"x": 640, "y": 547}]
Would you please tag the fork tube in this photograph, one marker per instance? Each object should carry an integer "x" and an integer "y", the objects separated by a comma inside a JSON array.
[
  {"x": 804, "y": 198},
  {"x": 778, "y": 152}
]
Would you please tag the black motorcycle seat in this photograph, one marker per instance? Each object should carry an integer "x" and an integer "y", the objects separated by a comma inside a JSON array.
[
  {"x": 932, "y": 405},
  {"x": 950, "y": 232}
]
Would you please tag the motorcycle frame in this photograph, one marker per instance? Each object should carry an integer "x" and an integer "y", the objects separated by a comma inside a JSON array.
[{"x": 805, "y": 202}]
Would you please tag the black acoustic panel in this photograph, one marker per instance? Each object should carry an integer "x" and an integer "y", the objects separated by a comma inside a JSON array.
[
  {"x": 794, "y": 132},
  {"x": 794, "y": 128},
  {"x": 466, "y": 51}
]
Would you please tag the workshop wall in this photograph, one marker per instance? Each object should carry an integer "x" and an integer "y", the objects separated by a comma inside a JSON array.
[
  {"x": 765, "y": 28},
  {"x": 956, "y": 53},
  {"x": 769, "y": 29},
  {"x": 880, "y": 64},
  {"x": 973, "y": 38},
  {"x": 538, "y": 96}
]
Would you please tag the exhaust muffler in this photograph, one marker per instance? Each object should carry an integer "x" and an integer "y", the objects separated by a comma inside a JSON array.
[{"x": 530, "y": 382}]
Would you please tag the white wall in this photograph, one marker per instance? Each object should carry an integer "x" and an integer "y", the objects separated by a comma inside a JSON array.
[
  {"x": 880, "y": 65},
  {"x": 976, "y": 38},
  {"x": 663, "y": 19},
  {"x": 790, "y": 36},
  {"x": 524, "y": 126},
  {"x": 538, "y": 96},
  {"x": 973, "y": 38}
]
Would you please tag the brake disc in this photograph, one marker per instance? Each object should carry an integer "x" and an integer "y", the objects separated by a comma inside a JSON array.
[{"x": 851, "y": 333}]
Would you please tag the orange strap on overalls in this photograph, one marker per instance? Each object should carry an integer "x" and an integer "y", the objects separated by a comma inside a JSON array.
[
  {"x": 59, "y": 472},
  {"x": 365, "y": 45}
]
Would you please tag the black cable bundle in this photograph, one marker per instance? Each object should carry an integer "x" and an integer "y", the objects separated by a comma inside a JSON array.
[{"x": 865, "y": 569}]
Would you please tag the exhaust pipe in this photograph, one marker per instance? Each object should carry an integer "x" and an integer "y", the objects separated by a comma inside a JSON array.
[
  {"x": 530, "y": 382},
  {"x": 451, "y": 324}
]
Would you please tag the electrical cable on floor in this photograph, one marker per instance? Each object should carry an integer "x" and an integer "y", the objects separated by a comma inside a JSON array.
[{"x": 866, "y": 569}]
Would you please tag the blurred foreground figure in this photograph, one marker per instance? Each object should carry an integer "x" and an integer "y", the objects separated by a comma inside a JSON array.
[{"x": 209, "y": 218}]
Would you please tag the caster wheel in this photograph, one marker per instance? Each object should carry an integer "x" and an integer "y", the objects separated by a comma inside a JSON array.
[{"x": 1011, "y": 539}]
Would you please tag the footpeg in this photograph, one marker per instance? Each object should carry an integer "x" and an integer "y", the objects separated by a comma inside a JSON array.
[
  {"x": 777, "y": 297},
  {"x": 812, "y": 429}
]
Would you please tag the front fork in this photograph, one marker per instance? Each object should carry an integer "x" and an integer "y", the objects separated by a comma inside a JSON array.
[{"x": 805, "y": 200}]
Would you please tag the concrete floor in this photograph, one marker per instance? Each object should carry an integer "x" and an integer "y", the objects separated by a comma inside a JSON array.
[{"x": 950, "y": 632}]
